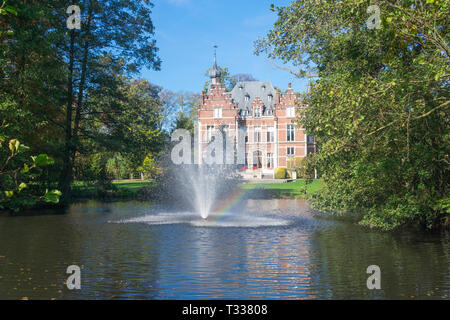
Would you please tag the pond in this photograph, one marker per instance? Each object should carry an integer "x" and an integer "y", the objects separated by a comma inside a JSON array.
[{"x": 277, "y": 250}]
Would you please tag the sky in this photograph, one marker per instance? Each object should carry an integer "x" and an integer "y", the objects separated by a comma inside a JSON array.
[{"x": 187, "y": 30}]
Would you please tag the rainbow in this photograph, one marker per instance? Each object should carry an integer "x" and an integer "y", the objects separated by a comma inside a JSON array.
[{"x": 228, "y": 204}]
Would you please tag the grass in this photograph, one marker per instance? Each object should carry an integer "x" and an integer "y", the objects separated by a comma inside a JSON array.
[
  {"x": 294, "y": 189},
  {"x": 124, "y": 189},
  {"x": 133, "y": 186},
  {"x": 121, "y": 190}
]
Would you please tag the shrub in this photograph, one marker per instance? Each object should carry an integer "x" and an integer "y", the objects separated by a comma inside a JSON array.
[
  {"x": 305, "y": 168},
  {"x": 280, "y": 173}
]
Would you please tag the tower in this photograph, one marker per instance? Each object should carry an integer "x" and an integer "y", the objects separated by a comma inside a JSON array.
[{"x": 214, "y": 72}]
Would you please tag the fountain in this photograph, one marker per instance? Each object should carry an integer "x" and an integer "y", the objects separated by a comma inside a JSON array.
[{"x": 205, "y": 196}]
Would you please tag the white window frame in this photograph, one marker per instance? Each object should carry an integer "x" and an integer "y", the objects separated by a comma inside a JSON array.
[
  {"x": 290, "y": 155},
  {"x": 270, "y": 160},
  {"x": 257, "y": 133},
  {"x": 290, "y": 112},
  {"x": 209, "y": 132},
  {"x": 290, "y": 133},
  {"x": 217, "y": 112},
  {"x": 270, "y": 136}
]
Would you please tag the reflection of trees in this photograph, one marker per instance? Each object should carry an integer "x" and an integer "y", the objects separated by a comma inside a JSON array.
[
  {"x": 411, "y": 264},
  {"x": 37, "y": 251},
  {"x": 121, "y": 260},
  {"x": 115, "y": 259}
]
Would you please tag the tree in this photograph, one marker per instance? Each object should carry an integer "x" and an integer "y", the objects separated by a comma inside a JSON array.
[
  {"x": 176, "y": 103},
  {"x": 379, "y": 107},
  {"x": 225, "y": 78},
  {"x": 230, "y": 81},
  {"x": 120, "y": 31},
  {"x": 242, "y": 77},
  {"x": 121, "y": 117}
]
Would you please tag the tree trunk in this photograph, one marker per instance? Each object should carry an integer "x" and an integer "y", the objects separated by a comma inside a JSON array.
[
  {"x": 66, "y": 173},
  {"x": 81, "y": 88}
]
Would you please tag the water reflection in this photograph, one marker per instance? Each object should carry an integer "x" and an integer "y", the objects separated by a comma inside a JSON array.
[{"x": 305, "y": 259}]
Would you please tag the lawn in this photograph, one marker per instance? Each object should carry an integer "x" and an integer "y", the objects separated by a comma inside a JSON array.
[
  {"x": 129, "y": 189},
  {"x": 133, "y": 186},
  {"x": 121, "y": 190},
  {"x": 294, "y": 189}
]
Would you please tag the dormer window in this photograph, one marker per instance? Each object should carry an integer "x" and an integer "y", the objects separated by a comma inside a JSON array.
[
  {"x": 263, "y": 87},
  {"x": 247, "y": 98},
  {"x": 270, "y": 97},
  {"x": 257, "y": 113}
]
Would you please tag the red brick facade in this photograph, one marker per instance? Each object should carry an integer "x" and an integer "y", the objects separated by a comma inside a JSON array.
[{"x": 272, "y": 135}]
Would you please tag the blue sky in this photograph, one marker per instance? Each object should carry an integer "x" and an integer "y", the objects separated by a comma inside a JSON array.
[{"x": 186, "y": 31}]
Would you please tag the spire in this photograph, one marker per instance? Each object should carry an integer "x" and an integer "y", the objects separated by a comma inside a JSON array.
[{"x": 214, "y": 72}]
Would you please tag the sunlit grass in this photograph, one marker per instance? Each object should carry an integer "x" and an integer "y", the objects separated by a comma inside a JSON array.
[{"x": 296, "y": 189}]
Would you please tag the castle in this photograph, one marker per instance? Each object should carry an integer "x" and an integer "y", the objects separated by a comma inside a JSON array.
[{"x": 265, "y": 115}]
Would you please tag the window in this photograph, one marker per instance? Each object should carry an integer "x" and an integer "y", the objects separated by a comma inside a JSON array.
[
  {"x": 246, "y": 159},
  {"x": 257, "y": 112},
  {"x": 225, "y": 130},
  {"x": 243, "y": 113},
  {"x": 217, "y": 112},
  {"x": 257, "y": 134},
  {"x": 257, "y": 161},
  {"x": 270, "y": 134},
  {"x": 245, "y": 134},
  {"x": 311, "y": 139},
  {"x": 270, "y": 97},
  {"x": 209, "y": 133},
  {"x": 290, "y": 152},
  {"x": 290, "y": 111},
  {"x": 270, "y": 163},
  {"x": 290, "y": 132}
]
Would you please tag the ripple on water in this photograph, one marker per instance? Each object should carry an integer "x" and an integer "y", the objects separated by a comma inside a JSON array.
[{"x": 214, "y": 220}]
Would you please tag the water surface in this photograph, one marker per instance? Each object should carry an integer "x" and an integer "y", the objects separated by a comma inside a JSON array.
[{"x": 270, "y": 249}]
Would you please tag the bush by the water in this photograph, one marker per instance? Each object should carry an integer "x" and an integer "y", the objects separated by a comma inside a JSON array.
[{"x": 280, "y": 173}]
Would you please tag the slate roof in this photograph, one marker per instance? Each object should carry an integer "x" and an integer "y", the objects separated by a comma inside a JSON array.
[{"x": 254, "y": 89}]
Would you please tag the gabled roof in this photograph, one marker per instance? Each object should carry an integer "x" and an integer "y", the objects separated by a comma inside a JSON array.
[{"x": 253, "y": 89}]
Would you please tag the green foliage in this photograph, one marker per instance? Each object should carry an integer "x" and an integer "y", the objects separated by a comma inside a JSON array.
[
  {"x": 225, "y": 78},
  {"x": 119, "y": 166},
  {"x": 280, "y": 173},
  {"x": 72, "y": 95},
  {"x": 149, "y": 167},
  {"x": 183, "y": 121},
  {"x": 379, "y": 107},
  {"x": 305, "y": 167},
  {"x": 18, "y": 189}
]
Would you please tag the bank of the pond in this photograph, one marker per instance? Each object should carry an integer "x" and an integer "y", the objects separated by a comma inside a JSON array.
[
  {"x": 128, "y": 190},
  {"x": 293, "y": 189},
  {"x": 118, "y": 190}
]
